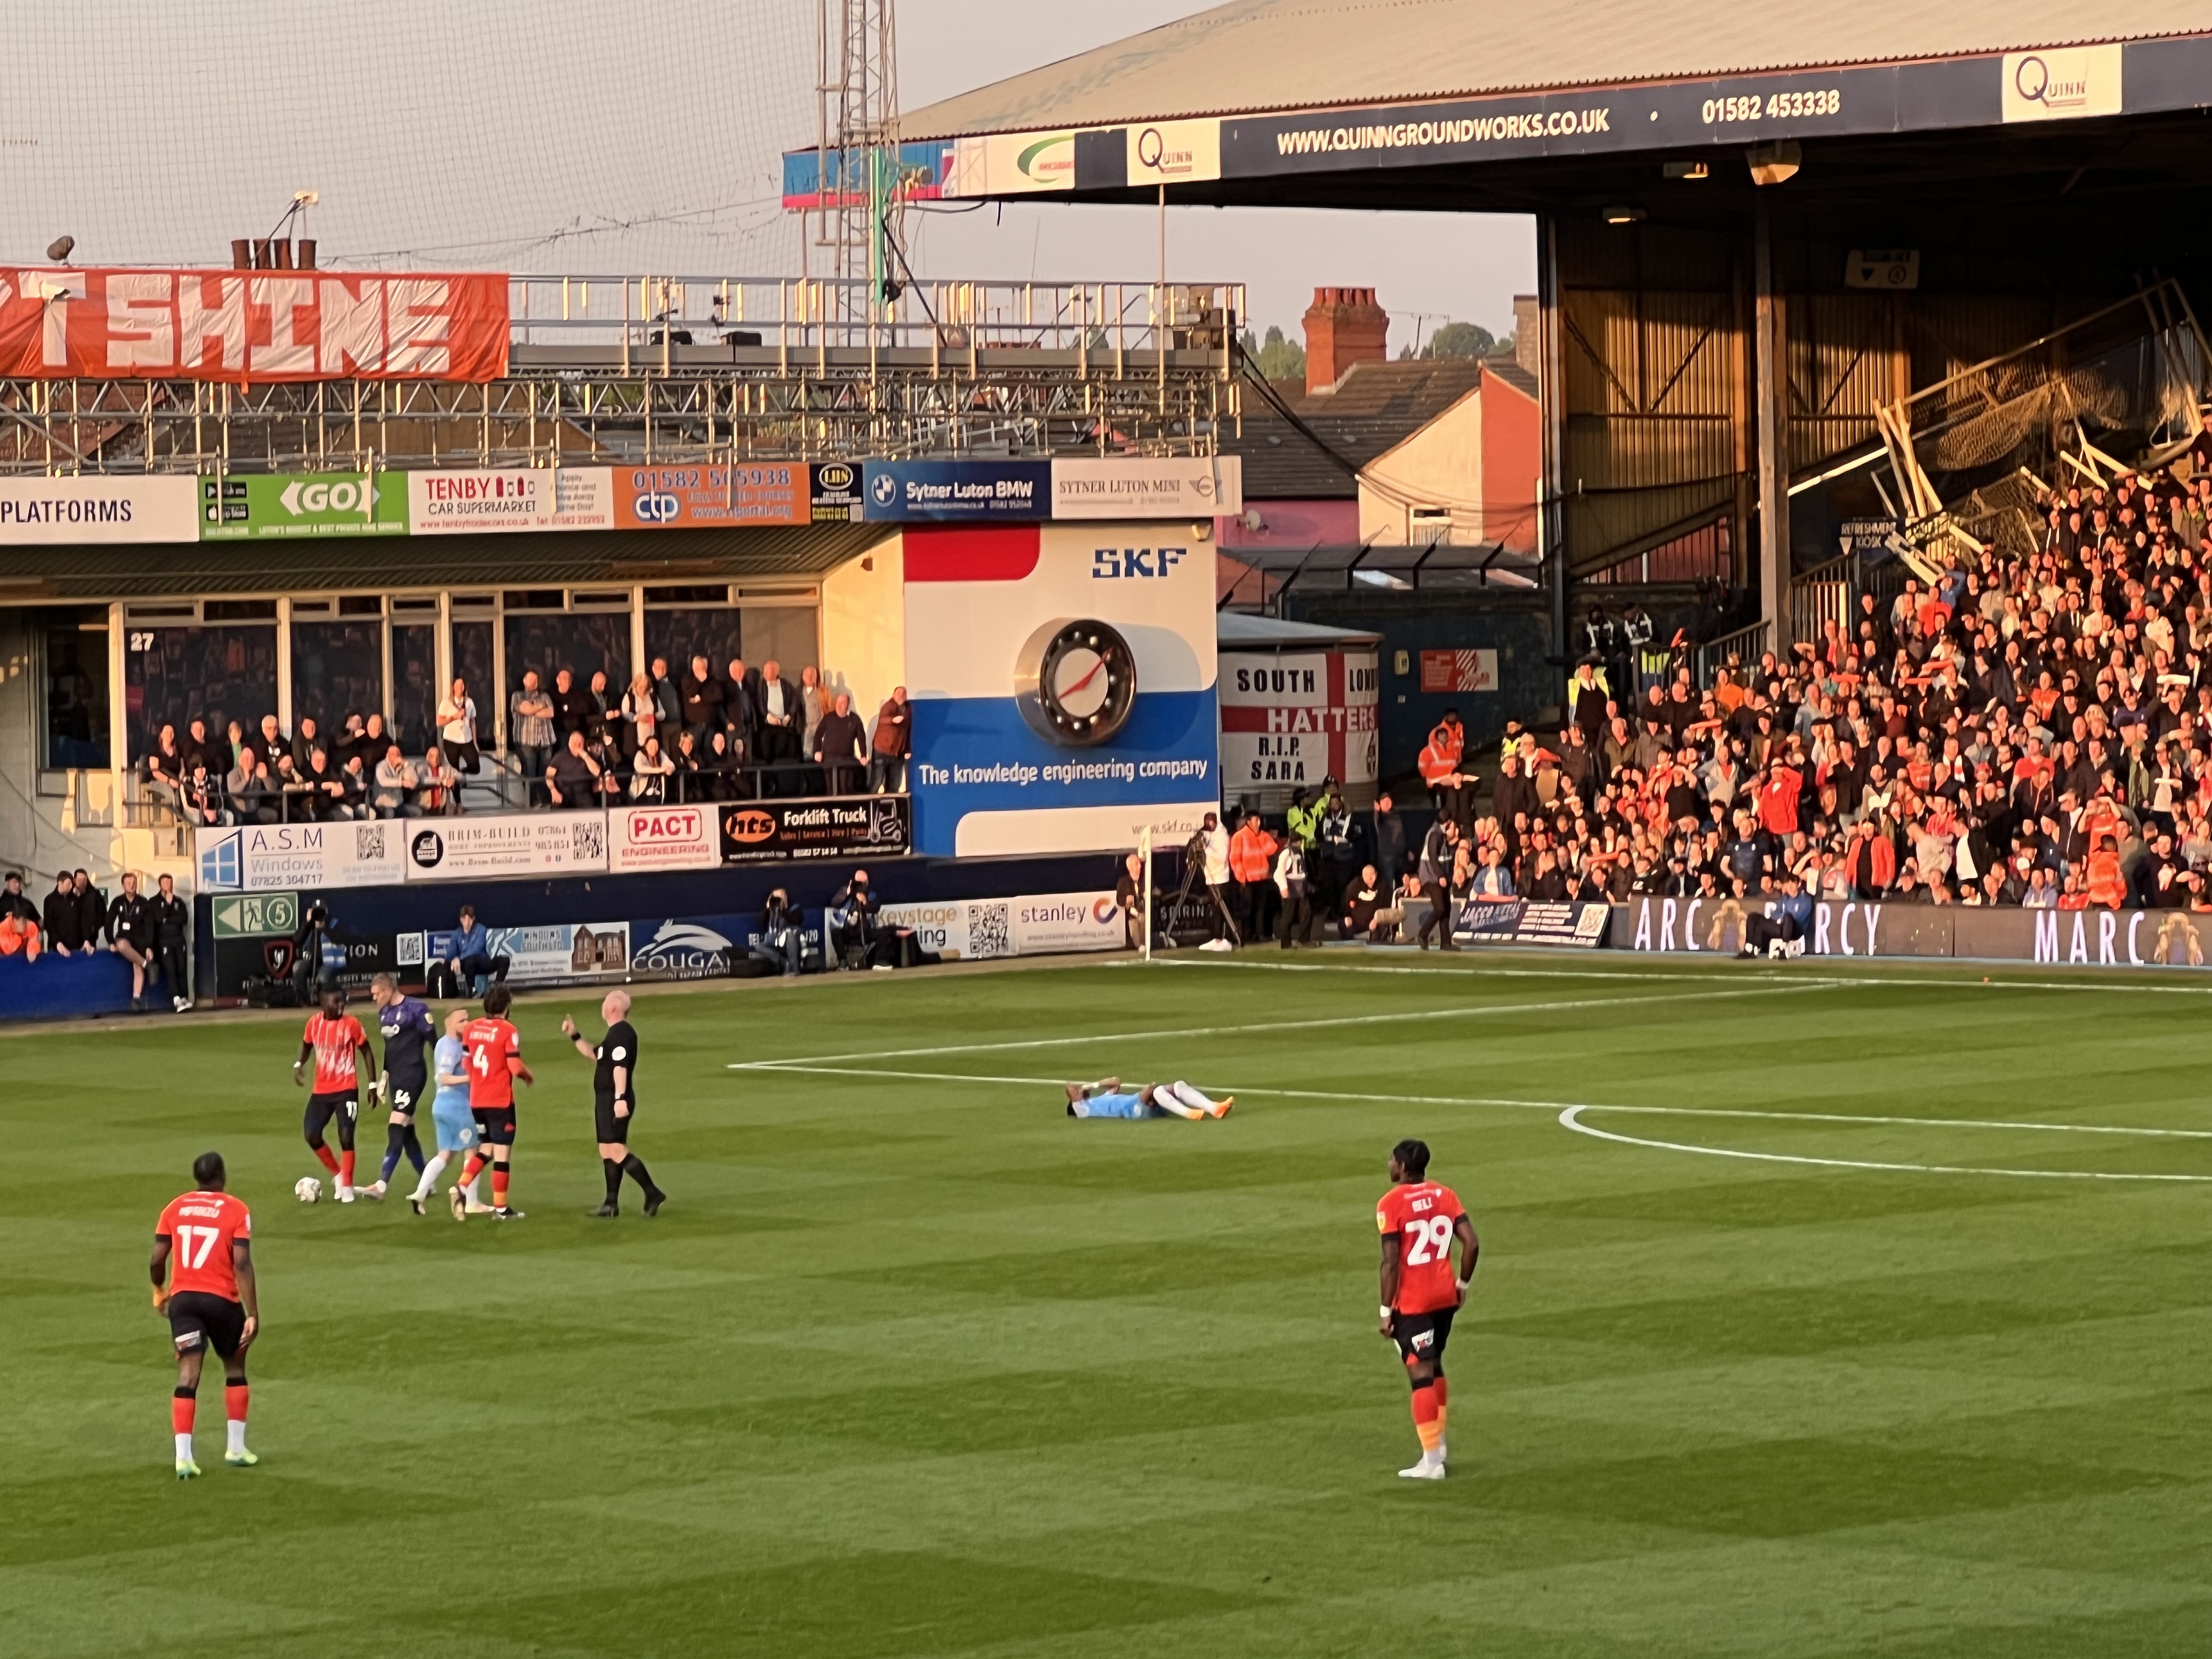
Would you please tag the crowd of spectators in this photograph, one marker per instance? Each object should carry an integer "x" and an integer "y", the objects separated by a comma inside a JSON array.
[
  {"x": 2028, "y": 730},
  {"x": 148, "y": 931},
  {"x": 702, "y": 735}
]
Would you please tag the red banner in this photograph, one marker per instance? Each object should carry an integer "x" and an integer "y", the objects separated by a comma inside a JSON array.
[{"x": 252, "y": 325}]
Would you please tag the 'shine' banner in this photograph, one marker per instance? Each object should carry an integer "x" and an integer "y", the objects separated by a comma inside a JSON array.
[{"x": 244, "y": 326}]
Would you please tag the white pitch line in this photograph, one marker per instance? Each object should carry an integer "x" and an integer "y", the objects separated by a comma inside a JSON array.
[
  {"x": 807, "y": 1069},
  {"x": 1461, "y": 1012},
  {"x": 1572, "y": 1119},
  {"x": 1955, "y": 978}
]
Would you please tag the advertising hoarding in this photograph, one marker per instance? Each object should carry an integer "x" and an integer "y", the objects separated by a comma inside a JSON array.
[
  {"x": 1290, "y": 721},
  {"x": 2084, "y": 939},
  {"x": 955, "y": 492},
  {"x": 959, "y": 930},
  {"x": 240, "y": 506},
  {"x": 684, "y": 497},
  {"x": 758, "y": 832},
  {"x": 663, "y": 838},
  {"x": 1063, "y": 679},
  {"x": 278, "y": 857},
  {"x": 528, "y": 498},
  {"x": 562, "y": 953},
  {"x": 1580, "y": 924},
  {"x": 1049, "y": 924},
  {"x": 96, "y": 509},
  {"x": 68, "y": 322},
  {"x": 518, "y": 844},
  {"x": 1448, "y": 671},
  {"x": 1193, "y": 489},
  {"x": 835, "y": 489}
]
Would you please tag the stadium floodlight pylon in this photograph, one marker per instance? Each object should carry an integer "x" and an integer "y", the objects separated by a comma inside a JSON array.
[{"x": 861, "y": 227}]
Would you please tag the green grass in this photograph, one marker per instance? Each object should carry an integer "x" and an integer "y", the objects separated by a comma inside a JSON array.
[{"x": 915, "y": 1367}]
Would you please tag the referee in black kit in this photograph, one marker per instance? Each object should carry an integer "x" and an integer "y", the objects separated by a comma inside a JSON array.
[{"x": 614, "y": 1102}]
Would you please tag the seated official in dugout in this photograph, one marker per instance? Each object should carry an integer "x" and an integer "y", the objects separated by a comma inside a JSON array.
[
  {"x": 1419, "y": 1220},
  {"x": 1106, "y": 1098}
]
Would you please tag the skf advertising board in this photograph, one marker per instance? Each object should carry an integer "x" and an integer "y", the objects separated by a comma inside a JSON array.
[
  {"x": 69, "y": 324},
  {"x": 1063, "y": 686},
  {"x": 1289, "y": 721}
]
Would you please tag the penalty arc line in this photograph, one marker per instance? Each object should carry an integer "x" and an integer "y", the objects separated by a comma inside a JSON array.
[
  {"x": 1572, "y": 1119},
  {"x": 1337, "y": 1022}
]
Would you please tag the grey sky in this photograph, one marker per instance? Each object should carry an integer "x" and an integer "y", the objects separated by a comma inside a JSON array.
[{"x": 577, "y": 135}]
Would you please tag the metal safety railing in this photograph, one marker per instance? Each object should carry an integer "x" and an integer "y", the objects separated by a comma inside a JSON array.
[{"x": 641, "y": 317}]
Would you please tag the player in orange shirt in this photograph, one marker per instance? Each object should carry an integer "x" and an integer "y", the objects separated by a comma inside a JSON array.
[
  {"x": 339, "y": 1048},
  {"x": 1417, "y": 1220},
  {"x": 202, "y": 1271},
  {"x": 493, "y": 1051}
]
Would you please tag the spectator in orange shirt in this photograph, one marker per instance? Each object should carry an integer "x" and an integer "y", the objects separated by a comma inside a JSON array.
[{"x": 1440, "y": 768}]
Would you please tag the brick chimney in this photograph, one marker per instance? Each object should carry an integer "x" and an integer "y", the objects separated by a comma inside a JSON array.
[
  {"x": 1344, "y": 327},
  {"x": 1527, "y": 334}
]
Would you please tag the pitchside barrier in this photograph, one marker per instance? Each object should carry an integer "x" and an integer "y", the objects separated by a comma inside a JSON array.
[
  {"x": 573, "y": 930},
  {"x": 2109, "y": 939}
]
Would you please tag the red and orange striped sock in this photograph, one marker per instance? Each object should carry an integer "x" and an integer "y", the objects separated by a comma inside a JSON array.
[
  {"x": 471, "y": 1170},
  {"x": 329, "y": 1157},
  {"x": 180, "y": 1412},
  {"x": 1443, "y": 1403},
  {"x": 345, "y": 1169},
  {"x": 499, "y": 1186},
  {"x": 234, "y": 1401},
  {"x": 1426, "y": 1423}
]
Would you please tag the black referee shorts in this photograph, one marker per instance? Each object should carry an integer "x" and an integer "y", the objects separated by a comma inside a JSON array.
[{"x": 612, "y": 1130}]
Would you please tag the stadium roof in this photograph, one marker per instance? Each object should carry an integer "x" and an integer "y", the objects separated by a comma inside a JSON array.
[
  {"x": 532, "y": 559},
  {"x": 1253, "y": 56}
]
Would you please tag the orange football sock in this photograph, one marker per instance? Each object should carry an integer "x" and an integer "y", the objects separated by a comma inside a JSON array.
[
  {"x": 234, "y": 1401},
  {"x": 345, "y": 1169},
  {"x": 1426, "y": 1423},
  {"x": 471, "y": 1170},
  {"x": 1443, "y": 1403},
  {"x": 499, "y": 1186},
  {"x": 329, "y": 1157},
  {"x": 180, "y": 1413}
]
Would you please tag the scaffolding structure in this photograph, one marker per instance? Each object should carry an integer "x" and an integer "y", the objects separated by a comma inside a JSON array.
[{"x": 701, "y": 371}]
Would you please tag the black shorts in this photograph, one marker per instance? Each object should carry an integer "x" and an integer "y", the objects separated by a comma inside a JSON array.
[
  {"x": 199, "y": 1320},
  {"x": 612, "y": 1130},
  {"x": 1422, "y": 1336},
  {"x": 494, "y": 1125},
  {"x": 408, "y": 1094},
  {"x": 321, "y": 1108}
]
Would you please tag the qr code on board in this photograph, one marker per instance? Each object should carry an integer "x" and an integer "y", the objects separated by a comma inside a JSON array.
[
  {"x": 410, "y": 951},
  {"x": 590, "y": 844},
  {"x": 990, "y": 930},
  {"x": 368, "y": 842}
]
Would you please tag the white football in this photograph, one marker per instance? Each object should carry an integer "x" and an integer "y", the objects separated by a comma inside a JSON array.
[{"x": 307, "y": 1189}]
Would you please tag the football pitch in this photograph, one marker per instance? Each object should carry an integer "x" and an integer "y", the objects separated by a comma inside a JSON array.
[{"x": 1820, "y": 1312}]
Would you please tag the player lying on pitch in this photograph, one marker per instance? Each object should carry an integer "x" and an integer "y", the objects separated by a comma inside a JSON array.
[{"x": 1105, "y": 1098}]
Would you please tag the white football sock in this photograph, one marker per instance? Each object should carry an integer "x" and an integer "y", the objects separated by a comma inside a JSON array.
[
  {"x": 1163, "y": 1096},
  {"x": 474, "y": 1191},
  {"x": 1190, "y": 1096},
  {"x": 237, "y": 1428},
  {"x": 431, "y": 1171},
  {"x": 184, "y": 1448}
]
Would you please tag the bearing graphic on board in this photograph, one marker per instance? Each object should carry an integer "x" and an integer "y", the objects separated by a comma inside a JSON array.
[{"x": 1075, "y": 682}]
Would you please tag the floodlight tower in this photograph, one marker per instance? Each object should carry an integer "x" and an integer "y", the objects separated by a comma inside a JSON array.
[{"x": 857, "y": 220}]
